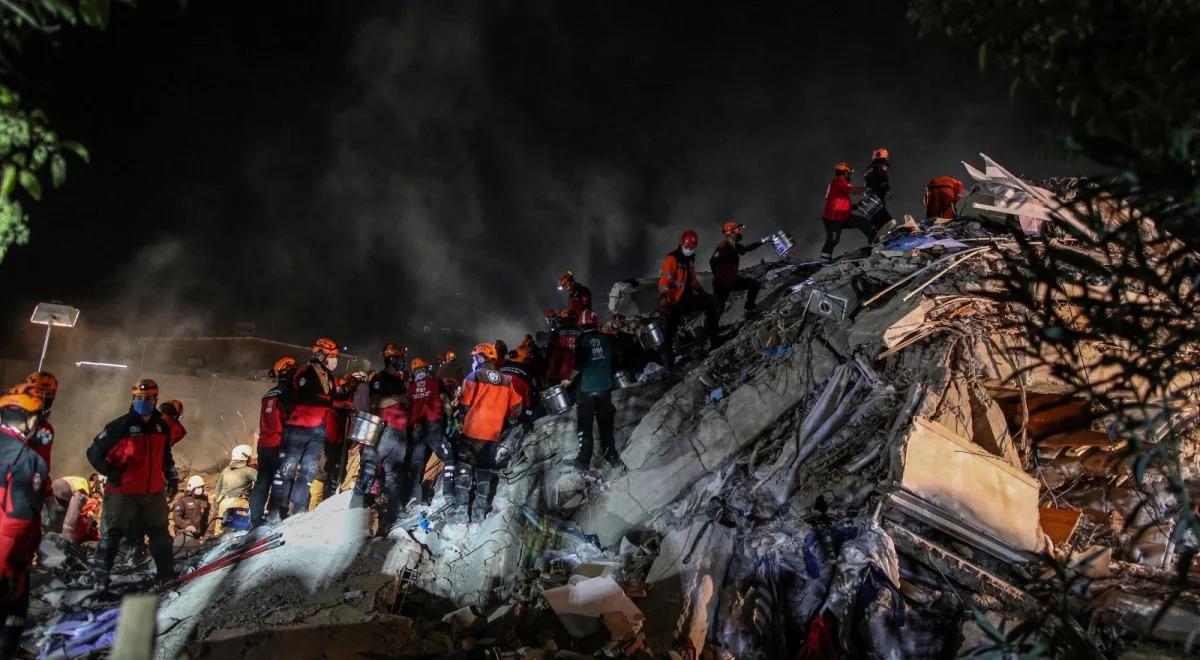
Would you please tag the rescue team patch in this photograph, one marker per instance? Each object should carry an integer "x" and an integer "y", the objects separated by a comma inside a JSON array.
[{"x": 493, "y": 377}]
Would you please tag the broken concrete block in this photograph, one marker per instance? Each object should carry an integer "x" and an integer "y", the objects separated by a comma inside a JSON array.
[
  {"x": 958, "y": 475},
  {"x": 580, "y": 606}
]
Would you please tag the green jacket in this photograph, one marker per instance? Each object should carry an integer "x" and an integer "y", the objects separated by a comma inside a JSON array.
[
  {"x": 236, "y": 482},
  {"x": 594, "y": 359}
]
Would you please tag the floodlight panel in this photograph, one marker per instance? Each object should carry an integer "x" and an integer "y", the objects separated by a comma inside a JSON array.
[{"x": 63, "y": 316}]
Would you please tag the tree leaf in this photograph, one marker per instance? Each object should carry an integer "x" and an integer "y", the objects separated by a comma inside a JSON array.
[
  {"x": 58, "y": 170},
  {"x": 30, "y": 183},
  {"x": 8, "y": 180},
  {"x": 75, "y": 148}
]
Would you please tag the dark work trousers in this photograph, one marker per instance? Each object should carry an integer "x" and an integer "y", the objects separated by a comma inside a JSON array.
[
  {"x": 268, "y": 465},
  {"x": 384, "y": 462},
  {"x": 833, "y": 233},
  {"x": 743, "y": 283},
  {"x": 596, "y": 406},
  {"x": 299, "y": 464},
  {"x": 14, "y": 606},
  {"x": 476, "y": 460},
  {"x": 147, "y": 513},
  {"x": 427, "y": 438},
  {"x": 692, "y": 301}
]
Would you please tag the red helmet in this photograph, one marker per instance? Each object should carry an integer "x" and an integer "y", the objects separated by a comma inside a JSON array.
[
  {"x": 843, "y": 168},
  {"x": 732, "y": 227},
  {"x": 327, "y": 346},
  {"x": 566, "y": 279},
  {"x": 690, "y": 239},
  {"x": 394, "y": 351},
  {"x": 588, "y": 317},
  {"x": 879, "y": 153}
]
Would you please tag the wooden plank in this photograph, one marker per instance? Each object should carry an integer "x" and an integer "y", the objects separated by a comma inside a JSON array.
[
  {"x": 1085, "y": 438},
  {"x": 1070, "y": 415},
  {"x": 1059, "y": 524}
]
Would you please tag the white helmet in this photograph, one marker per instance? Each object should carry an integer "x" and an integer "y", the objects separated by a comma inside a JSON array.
[
  {"x": 241, "y": 453},
  {"x": 195, "y": 481}
]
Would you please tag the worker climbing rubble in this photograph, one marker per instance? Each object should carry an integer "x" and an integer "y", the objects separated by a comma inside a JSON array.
[
  {"x": 46, "y": 386},
  {"x": 579, "y": 297},
  {"x": 172, "y": 413},
  {"x": 190, "y": 514},
  {"x": 234, "y": 487},
  {"x": 306, "y": 430},
  {"x": 488, "y": 401},
  {"x": 563, "y": 341},
  {"x": 941, "y": 197},
  {"x": 877, "y": 189},
  {"x": 837, "y": 216},
  {"x": 594, "y": 366},
  {"x": 276, "y": 405},
  {"x": 386, "y": 460},
  {"x": 66, "y": 509},
  {"x": 519, "y": 369},
  {"x": 680, "y": 294},
  {"x": 428, "y": 437},
  {"x": 22, "y": 493},
  {"x": 725, "y": 264},
  {"x": 133, "y": 452}
]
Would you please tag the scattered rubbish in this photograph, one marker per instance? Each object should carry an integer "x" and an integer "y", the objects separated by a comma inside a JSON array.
[
  {"x": 580, "y": 606},
  {"x": 716, "y": 394}
]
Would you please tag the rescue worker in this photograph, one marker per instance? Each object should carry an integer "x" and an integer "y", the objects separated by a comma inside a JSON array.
[
  {"x": 941, "y": 194},
  {"x": 429, "y": 440},
  {"x": 594, "y": 366},
  {"x": 680, "y": 293},
  {"x": 172, "y": 412},
  {"x": 22, "y": 492},
  {"x": 235, "y": 484},
  {"x": 46, "y": 386},
  {"x": 133, "y": 452},
  {"x": 579, "y": 297},
  {"x": 304, "y": 432},
  {"x": 488, "y": 400},
  {"x": 450, "y": 373},
  {"x": 725, "y": 264},
  {"x": 563, "y": 341},
  {"x": 518, "y": 368},
  {"x": 878, "y": 182},
  {"x": 631, "y": 356},
  {"x": 836, "y": 216},
  {"x": 64, "y": 508},
  {"x": 501, "y": 353},
  {"x": 190, "y": 514},
  {"x": 389, "y": 400},
  {"x": 345, "y": 391},
  {"x": 276, "y": 406}
]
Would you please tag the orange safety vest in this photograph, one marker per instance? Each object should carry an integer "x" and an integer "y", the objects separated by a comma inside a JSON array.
[{"x": 677, "y": 274}]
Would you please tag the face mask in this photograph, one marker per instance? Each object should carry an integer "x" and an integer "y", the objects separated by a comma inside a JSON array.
[
  {"x": 737, "y": 238},
  {"x": 197, "y": 492},
  {"x": 331, "y": 363},
  {"x": 143, "y": 407},
  {"x": 687, "y": 252},
  {"x": 477, "y": 361}
]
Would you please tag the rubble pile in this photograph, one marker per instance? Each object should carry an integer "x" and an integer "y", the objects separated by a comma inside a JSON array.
[{"x": 866, "y": 469}]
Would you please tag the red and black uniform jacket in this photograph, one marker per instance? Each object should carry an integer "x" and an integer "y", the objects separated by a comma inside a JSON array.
[
  {"x": 43, "y": 440},
  {"x": 276, "y": 406},
  {"x": 313, "y": 402},
  {"x": 23, "y": 489},
  {"x": 726, "y": 260},
  {"x": 390, "y": 387},
  {"x": 579, "y": 298},
  {"x": 522, "y": 382},
  {"x": 562, "y": 354},
  {"x": 135, "y": 455},
  {"x": 175, "y": 429},
  {"x": 426, "y": 394}
]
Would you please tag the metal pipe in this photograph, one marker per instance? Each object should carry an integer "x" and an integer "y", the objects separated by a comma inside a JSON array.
[{"x": 45, "y": 345}]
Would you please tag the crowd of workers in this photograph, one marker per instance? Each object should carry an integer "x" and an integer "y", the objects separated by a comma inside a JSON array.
[{"x": 439, "y": 418}]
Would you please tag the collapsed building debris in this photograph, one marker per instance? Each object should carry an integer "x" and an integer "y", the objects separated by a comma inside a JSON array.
[{"x": 867, "y": 469}]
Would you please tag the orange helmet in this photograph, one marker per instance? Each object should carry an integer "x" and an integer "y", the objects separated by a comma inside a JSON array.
[
  {"x": 566, "y": 279},
  {"x": 486, "y": 350},
  {"x": 394, "y": 351},
  {"x": 45, "y": 382},
  {"x": 418, "y": 363},
  {"x": 879, "y": 153},
  {"x": 283, "y": 366},
  {"x": 23, "y": 396},
  {"x": 325, "y": 345},
  {"x": 524, "y": 353},
  {"x": 689, "y": 239},
  {"x": 144, "y": 388},
  {"x": 175, "y": 407},
  {"x": 732, "y": 227},
  {"x": 450, "y": 356},
  {"x": 843, "y": 168},
  {"x": 588, "y": 317}
]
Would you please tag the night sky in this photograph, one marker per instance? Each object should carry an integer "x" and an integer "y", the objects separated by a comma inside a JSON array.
[{"x": 359, "y": 169}]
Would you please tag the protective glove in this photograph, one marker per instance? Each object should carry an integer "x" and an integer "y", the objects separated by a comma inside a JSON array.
[
  {"x": 113, "y": 478},
  {"x": 565, "y": 383},
  {"x": 663, "y": 302}
]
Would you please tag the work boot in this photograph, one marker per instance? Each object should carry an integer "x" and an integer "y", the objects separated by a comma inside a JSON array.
[
  {"x": 614, "y": 461},
  {"x": 582, "y": 463}
]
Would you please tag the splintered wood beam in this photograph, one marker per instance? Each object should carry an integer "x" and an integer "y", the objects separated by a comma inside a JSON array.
[{"x": 1083, "y": 438}]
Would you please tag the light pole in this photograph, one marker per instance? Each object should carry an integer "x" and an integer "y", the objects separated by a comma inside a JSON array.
[{"x": 50, "y": 315}]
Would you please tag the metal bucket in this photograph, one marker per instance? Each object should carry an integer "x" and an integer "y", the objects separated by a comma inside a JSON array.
[
  {"x": 652, "y": 336},
  {"x": 624, "y": 379},
  {"x": 783, "y": 242},
  {"x": 868, "y": 205},
  {"x": 365, "y": 428},
  {"x": 556, "y": 400}
]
